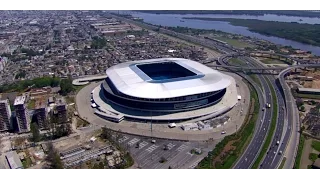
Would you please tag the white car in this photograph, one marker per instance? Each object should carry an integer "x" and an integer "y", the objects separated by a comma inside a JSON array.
[
  {"x": 223, "y": 132},
  {"x": 93, "y": 105}
]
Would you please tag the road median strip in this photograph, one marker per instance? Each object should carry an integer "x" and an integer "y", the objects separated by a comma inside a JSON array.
[{"x": 268, "y": 140}]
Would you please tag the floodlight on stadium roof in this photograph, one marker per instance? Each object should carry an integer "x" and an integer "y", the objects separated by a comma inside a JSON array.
[{"x": 165, "y": 78}]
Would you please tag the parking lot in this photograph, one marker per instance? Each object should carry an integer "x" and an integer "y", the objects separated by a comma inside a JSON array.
[{"x": 148, "y": 155}]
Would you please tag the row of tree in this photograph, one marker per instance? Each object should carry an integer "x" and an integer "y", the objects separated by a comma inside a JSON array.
[
  {"x": 36, "y": 82},
  {"x": 65, "y": 84}
]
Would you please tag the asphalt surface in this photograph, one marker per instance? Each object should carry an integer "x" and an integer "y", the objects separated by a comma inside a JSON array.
[
  {"x": 148, "y": 155},
  {"x": 273, "y": 156},
  {"x": 253, "y": 150}
]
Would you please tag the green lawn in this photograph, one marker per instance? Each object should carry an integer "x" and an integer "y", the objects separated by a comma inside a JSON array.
[
  {"x": 282, "y": 163},
  {"x": 271, "y": 131},
  {"x": 78, "y": 88},
  {"x": 316, "y": 145},
  {"x": 236, "y": 62},
  {"x": 299, "y": 153},
  {"x": 313, "y": 156},
  {"x": 234, "y": 42},
  {"x": 272, "y": 61}
]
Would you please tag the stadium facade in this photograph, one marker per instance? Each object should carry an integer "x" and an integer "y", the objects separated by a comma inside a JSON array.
[{"x": 168, "y": 85}]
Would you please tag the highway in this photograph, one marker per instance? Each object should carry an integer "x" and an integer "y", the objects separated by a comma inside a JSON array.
[
  {"x": 263, "y": 124},
  {"x": 272, "y": 158}
]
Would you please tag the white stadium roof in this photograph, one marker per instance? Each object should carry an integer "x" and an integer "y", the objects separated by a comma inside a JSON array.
[{"x": 128, "y": 82}]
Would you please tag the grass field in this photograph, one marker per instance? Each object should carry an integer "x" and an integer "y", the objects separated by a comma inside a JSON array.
[
  {"x": 255, "y": 79},
  {"x": 282, "y": 162},
  {"x": 78, "y": 88},
  {"x": 236, "y": 61},
  {"x": 299, "y": 153},
  {"x": 235, "y": 42},
  {"x": 271, "y": 131},
  {"x": 272, "y": 61},
  {"x": 316, "y": 145}
]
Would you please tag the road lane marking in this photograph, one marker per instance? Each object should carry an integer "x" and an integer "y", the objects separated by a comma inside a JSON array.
[
  {"x": 182, "y": 147},
  {"x": 152, "y": 148},
  {"x": 133, "y": 141}
]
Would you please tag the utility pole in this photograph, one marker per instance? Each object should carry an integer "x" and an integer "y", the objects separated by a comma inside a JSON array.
[{"x": 151, "y": 125}]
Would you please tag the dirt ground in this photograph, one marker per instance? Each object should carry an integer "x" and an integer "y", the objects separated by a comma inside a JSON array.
[
  {"x": 312, "y": 84},
  {"x": 305, "y": 154}
]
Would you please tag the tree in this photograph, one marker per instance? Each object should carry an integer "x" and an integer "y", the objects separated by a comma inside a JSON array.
[
  {"x": 101, "y": 165},
  {"x": 299, "y": 102},
  {"x": 66, "y": 86},
  {"x": 53, "y": 157},
  {"x": 35, "y": 132},
  {"x": 106, "y": 134}
]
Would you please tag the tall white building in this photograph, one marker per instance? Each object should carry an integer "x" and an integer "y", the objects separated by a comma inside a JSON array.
[
  {"x": 22, "y": 114},
  {"x": 5, "y": 116}
]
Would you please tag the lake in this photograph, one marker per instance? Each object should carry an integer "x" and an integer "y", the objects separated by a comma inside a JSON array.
[{"x": 176, "y": 20}]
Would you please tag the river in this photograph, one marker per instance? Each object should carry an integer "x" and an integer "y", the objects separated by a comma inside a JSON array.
[{"x": 176, "y": 20}]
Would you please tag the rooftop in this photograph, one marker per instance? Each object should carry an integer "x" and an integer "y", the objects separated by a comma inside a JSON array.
[
  {"x": 140, "y": 79},
  {"x": 20, "y": 100},
  {"x": 60, "y": 102},
  {"x": 165, "y": 70},
  {"x": 309, "y": 90},
  {"x": 4, "y": 101},
  {"x": 40, "y": 103},
  {"x": 13, "y": 160}
]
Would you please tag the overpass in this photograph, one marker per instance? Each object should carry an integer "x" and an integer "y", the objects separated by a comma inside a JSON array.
[
  {"x": 251, "y": 70},
  {"x": 86, "y": 80}
]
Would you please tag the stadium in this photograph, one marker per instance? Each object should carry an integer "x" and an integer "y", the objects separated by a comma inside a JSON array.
[{"x": 167, "y": 88}]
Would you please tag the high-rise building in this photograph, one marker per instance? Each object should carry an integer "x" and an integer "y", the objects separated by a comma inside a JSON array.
[
  {"x": 22, "y": 114},
  {"x": 5, "y": 116},
  {"x": 40, "y": 114},
  {"x": 61, "y": 110}
]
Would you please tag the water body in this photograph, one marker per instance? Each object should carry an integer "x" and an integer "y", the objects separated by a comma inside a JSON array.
[{"x": 177, "y": 20}]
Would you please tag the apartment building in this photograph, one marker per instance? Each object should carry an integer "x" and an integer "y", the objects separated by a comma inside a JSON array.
[
  {"x": 22, "y": 114},
  {"x": 61, "y": 110},
  {"x": 5, "y": 116},
  {"x": 41, "y": 114}
]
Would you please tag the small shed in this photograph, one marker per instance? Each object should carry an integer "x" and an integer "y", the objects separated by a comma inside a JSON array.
[{"x": 189, "y": 126}]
